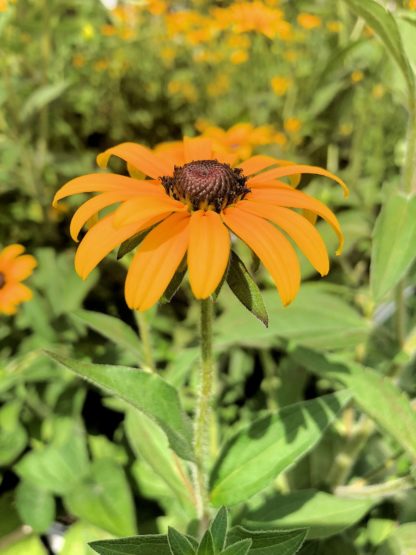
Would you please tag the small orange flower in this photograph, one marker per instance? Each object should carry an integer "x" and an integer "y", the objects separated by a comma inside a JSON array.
[
  {"x": 192, "y": 200},
  {"x": 14, "y": 268},
  {"x": 308, "y": 21}
]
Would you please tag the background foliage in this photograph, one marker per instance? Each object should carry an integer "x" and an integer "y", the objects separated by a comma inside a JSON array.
[{"x": 313, "y": 83}]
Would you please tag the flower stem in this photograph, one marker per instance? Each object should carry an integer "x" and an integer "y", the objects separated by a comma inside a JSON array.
[
  {"x": 145, "y": 336},
  {"x": 202, "y": 413}
]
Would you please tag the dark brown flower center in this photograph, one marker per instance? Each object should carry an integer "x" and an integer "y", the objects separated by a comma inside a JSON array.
[
  {"x": 206, "y": 184},
  {"x": 2, "y": 280}
]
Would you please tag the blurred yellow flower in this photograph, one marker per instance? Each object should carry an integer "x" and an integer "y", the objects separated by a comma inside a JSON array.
[
  {"x": 3, "y": 5},
  {"x": 292, "y": 125},
  {"x": 183, "y": 88},
  {"x": 357, "y": 76},
  {"x": 14, "y": 268},
  {"x": 378, "y": 91},
  {"x": 291, "y": 55},
  {"x": 108, "y": 30},
  {"x": 280, "y": 84},
  {"x": 239, "y": 57},
  {"x": 308, "y": 20},
  {"x": 412, "y": 5},
  {"x": 219, "y": 86},
  {"x": 334, "y": 26},
  {"x": 88, "y": 31}
]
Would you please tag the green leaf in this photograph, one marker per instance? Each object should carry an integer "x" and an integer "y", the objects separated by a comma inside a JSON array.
[
  {"x": 9, "y": 520},
  {"x": 77, "y": 537},
  {"x": 58, "y": 467},
  {"x": 156, "y": 544},
  {"x": 273, "y": 542},
  {"x": 239, "y": 548},
  {"x": 130, "y": 244},
  {"x": 385, "y": 26},
  {"x": 206, "y": 547},
  {"x": 35, "y": 506},
  {"x": 394, "y": 243},
  {"x": 219, "y": 528},
  {"x": 150, "y": 444},
  {"x": 13, "y": 436},
  {"x": 104, "y": 499},
  {"x": 174, "y": 285},
  {"x": 112, "y": 328},
  {"x": 147, "y": 392},
  {"x": 316, "y": 319},
  {"x": 400, "y": 542},
  {"x": 253, "y": 457},
  {"x": 245, "y": 289},
  {"x": 27, "y": 546},
  {"x": 179, "y": 544},
  {"x": 376, "y": 395},
  {"x": 41, "y": 97},
  {"x": 324, "y": 514}
]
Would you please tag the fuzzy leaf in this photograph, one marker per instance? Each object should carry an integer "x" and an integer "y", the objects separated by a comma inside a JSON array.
[
  {"x": 206, "y": 547},
  {"x": 273, "y": 542},
  {"x": 219, "y": 527},
  {"x": 147, "y": 392},
  {"x": 179, "y": 544},
  {"x": 239, "y": 548},
  {"x": 153, "y": 544},
  {"x": 245, "y": 289}
]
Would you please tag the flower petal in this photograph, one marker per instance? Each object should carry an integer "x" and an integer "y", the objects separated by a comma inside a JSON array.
[
  {"x": 21, "y": 268},
  {"x": 145, "y": 207},
  {"x": 91, "y": 207},
  {"x": 105, "y": 182},
  {"x": 294, "y": 169},
  {"x": 271, "y": 246},
  {"x": 258, "y": 163},
  {"x": 297, "y": 199},
  {"x": 208, "y": 252},
  {"x": 102, "y": 238},
  {"x": 298, "y": 228},
  {"x": 138, "y": 156},
  {"x": 10, "y": 252},
  {"x": 15, "y": 293},
  {"x": 198, "y": 148},
  {"x": 156, "y": 261}
]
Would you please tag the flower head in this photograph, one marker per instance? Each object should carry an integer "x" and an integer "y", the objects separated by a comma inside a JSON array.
[
  {"x": 193, "y": 199},
  {"x": 14, "y": 268}
]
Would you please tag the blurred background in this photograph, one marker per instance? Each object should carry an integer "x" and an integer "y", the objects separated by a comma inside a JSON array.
[{"x": 306, "y": 81}]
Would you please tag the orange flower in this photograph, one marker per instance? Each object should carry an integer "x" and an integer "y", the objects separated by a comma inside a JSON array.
[
  {"x": 191, "y": 202},
  {"x": 308, "y": 21},
  {"x": 14, "y": 268}
]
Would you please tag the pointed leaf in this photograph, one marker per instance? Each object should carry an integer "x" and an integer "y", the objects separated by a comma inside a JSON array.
[
  {"x": 179, "y": 544},
  {"x": 153, "y": 544},
  {"x": 273, "y": 542},
  {"x": 394, "y": 243},
  {"x": 173, "y": 286},
  {"x": 147, "y": 392},
  {"x": 132, "y": 243},
  {"x": 323, "y": 514},
  {"x": 239, "y": 548},
  {"x": 206, "y": 547},
  {"x": 385, "y": 26},
  {"x": 253, "y": 457},
  {"x": 245, "y": 289},
  {"x": 219, "y": 527},
  {"x": 112, "y": 328}
]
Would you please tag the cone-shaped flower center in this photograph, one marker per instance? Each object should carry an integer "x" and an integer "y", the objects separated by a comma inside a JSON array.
[
  {"x": 2, "y": 280},
  {"x": 206, "y": 184}
]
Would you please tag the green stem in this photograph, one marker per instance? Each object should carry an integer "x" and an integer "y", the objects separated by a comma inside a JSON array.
[
  {"x": 409, "y": 170},
  {"x": 400, "y": 316},
  {"x": 145, "y": 337},
  {"x": 202, "y": 413}
]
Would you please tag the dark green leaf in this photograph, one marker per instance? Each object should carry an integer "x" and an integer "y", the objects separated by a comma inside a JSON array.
[
  {"x": 174, "y": 285},
  {"x": 112, "y": 328},
  {"x": 394, "y": 243},
  {"x": 239, "y": 548},
  {"x": 276, "y": 542},
  {"x": 147, "y": 392},
  {"x": 253, "y": 457},
  {"x": 35, "y": 506},
  {"x": 245, "y": 289},
  {"x": 323, "y": 514},
  {"x": 384, "y": 24},
  {"x": 179, "y": 544},
  {"x": 135, "y": 545},
  {"x": 219, "y": 527},
  {"x": 132, "y": 243},
  {"x": 206, "y": 547}
]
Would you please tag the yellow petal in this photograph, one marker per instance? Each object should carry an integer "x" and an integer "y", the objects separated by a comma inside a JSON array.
[
  {"x": 21, "y": 268},
  {"x": 138, "y": 156},
  {"x": 156, "y": 261},
  {"x": 102, "y": 239},
  {"x": 297, "y": 199},
  {"x": 10, "y": 252},
  {"x": 298, "y": 228},
  {"x": 199, "y": 148},
  {"x": 91, "y": 207},
  {"x": 208, "y": 252},
  {"x": 294, "y": 169},
  {"x": 106, "y": 182},
  {"x": 257, "y": 163},
  {"x": 273, "y": 249},
  {"x": 142, "y": 206}
]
